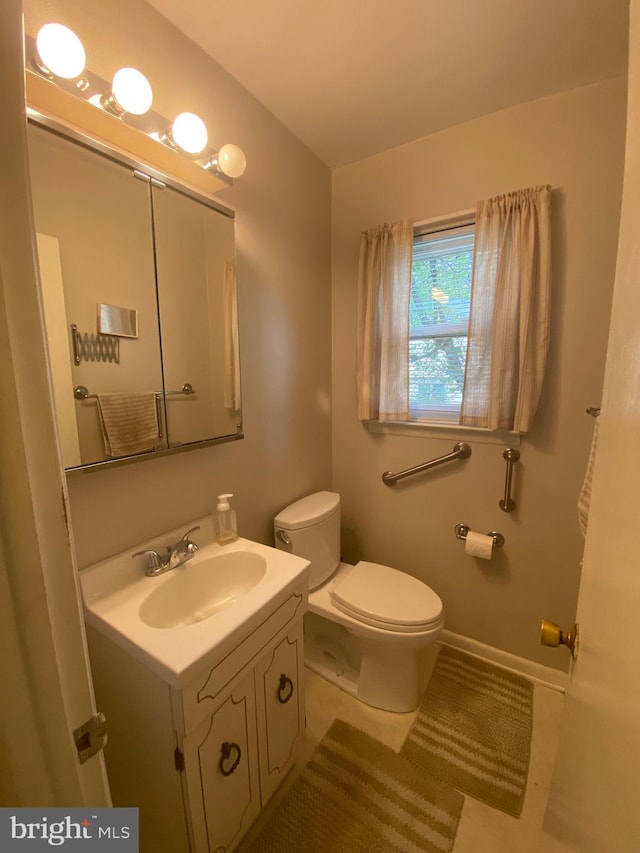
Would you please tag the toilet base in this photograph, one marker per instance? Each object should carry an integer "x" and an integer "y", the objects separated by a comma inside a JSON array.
[{"x": 388, "y": 677}]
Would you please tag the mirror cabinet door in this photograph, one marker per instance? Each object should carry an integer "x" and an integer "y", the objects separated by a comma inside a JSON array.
[
  {"x": 94, "y": 231},
  {"x": 197, "y": 305}
]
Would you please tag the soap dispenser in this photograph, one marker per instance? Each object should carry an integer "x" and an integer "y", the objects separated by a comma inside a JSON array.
[{"x": 226, "y": 529}]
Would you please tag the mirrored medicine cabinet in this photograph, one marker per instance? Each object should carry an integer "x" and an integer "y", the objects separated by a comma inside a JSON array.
[{"x": 139, "y": 301}]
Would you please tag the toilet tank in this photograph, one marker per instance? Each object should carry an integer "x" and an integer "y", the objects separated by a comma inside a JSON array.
[{"x": 310, "y": 528}]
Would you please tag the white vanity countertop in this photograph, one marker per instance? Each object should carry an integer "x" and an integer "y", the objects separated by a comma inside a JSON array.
[{"x": 114, "y": 590}]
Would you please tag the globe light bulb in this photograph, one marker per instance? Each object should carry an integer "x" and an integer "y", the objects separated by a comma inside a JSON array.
[
  {"x": 131, "y": 91},
  {"x": 189, "y": 132},
  {"x": 60, "y": 51},
  {"x": 232, "y": 161}
]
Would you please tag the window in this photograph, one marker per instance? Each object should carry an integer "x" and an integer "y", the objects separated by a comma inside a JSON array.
[{"x": 439, "y": 320}]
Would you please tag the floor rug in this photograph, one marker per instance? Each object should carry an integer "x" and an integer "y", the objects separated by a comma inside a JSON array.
[
  {"x": 357, "y": 795},
  {"x": 473, "y": 729}
]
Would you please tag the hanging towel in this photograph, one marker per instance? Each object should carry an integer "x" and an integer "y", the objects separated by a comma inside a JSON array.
[
  {"x": 584, "y": 501},
  {"x": 129, "y": 423}
]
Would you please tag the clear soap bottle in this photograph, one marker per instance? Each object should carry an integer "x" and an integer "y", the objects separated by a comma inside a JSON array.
[{"x": 226, "y": 528}]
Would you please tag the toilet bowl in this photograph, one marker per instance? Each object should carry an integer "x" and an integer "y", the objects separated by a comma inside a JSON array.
[{"x": 370, "y": 629}]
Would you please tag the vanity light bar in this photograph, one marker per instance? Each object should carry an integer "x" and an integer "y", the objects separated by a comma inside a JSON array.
[
  {"x": 128, "y": 98},
  {"x": 52, "y": 106}
]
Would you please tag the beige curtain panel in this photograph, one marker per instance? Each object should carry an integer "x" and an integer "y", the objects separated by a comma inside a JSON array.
[
  {"x": 384, "y": 288},
  {"x": 509, "y": 320},
  {"x": 232, "y": 393}
]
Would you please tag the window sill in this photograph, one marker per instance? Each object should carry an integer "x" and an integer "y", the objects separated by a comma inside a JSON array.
[{"x": 434, "y": 429}]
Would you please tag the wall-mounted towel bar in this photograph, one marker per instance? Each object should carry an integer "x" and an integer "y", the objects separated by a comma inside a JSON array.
[
  {"x": 507, "y": 503},
  {"x": 81, "y": 392},
  {"x": 461, "y": 450},
  {"x": 594, "y": 411},
  {"x": 461, "y": 531}
]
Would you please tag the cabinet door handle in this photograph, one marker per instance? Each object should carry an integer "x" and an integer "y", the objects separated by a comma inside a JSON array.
[
  {"x": 285, "y": 689},
  {"x": 225, "y": 755}
]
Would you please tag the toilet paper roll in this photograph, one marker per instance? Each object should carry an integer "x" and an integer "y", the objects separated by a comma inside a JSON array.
[{"x": 479, "y": 545}]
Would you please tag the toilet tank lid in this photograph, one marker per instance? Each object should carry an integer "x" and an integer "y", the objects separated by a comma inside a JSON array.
[{"x": 307, "y": 511}]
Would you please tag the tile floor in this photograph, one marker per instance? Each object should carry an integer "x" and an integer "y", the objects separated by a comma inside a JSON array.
[{"x": 482, "y": 829}]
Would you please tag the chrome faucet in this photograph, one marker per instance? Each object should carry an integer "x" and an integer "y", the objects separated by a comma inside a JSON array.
[{"x": 183, "y": 550}]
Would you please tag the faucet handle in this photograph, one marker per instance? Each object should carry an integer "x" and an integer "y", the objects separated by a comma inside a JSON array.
[
  {"x": 155, "y": 560},
  {"x": 190, "y": 546},
  {"x": 189, "y": 532}
]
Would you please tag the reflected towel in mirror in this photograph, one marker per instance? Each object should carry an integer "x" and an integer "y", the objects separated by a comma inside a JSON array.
[{"x": 129, "y": 422}]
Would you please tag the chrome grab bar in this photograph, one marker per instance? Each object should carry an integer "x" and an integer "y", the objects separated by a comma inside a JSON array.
[
  {"x": 461, "y": 450},
  {"x": 507, "y": 504}
]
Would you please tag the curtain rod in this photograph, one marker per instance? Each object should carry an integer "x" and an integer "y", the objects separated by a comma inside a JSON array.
[{"x": 438, "y": 220}]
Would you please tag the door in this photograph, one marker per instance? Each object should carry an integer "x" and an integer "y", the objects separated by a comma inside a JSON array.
[
  {"x": 221, "y": 767},
  {"x": 593, "y": 803},
  {"x": 280, "y": 709},
  {"x": 47, "y": 690}
]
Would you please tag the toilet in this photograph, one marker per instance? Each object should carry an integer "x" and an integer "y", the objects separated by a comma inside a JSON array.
[{"x": 370, "y": 629}]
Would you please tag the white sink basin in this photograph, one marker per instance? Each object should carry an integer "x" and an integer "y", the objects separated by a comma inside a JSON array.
[
  {"x": 196, "y": 613},
  {"x": 202, "y": 589}
]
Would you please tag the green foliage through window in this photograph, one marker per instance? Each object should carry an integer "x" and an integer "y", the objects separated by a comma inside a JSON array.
[{"x": 439, "y": 319}]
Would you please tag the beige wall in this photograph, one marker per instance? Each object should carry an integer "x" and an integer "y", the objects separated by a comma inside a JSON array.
[
  {"x": 575, "y": 142},
  {"x": 283, "y": 242}
]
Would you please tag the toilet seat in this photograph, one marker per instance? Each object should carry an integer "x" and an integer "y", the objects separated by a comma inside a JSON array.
[{"x": 386, "y": 598}]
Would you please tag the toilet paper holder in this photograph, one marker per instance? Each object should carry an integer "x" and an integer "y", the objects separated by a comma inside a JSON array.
[{"x": 461, "y": 531}]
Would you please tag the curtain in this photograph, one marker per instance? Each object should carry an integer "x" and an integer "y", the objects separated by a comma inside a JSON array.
[
  {"x": 384, "y": 288},
  {"x": 509, "y": 319},
  {"x": 232, "y": 395}
]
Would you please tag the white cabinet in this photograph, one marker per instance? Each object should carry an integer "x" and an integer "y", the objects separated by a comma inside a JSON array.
[
  {"x": 201, "y": 761},
  {"x": 236, "y": 757},
  {"x": 221, "y": 771},
  {"x": 279, "y": 677}
]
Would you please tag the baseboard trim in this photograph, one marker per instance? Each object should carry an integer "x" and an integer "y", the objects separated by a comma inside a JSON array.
[{"x": 536, "y": 672}]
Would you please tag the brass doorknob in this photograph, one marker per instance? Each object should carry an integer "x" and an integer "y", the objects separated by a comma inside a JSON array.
[{"x": 551, "y": 635}]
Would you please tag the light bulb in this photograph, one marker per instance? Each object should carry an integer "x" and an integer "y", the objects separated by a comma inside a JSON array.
[
  {"x": 232, "y": 161},
  {"x": 131, "y": 91},
  {"x": 60, "y": 51},
  {"x": 189, "y": 132}
]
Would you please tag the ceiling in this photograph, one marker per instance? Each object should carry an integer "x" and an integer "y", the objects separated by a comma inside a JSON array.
[{"x": 351, "y": 78}]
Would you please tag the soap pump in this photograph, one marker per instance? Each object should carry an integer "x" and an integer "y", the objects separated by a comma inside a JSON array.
[{"x": 226, "y": 529}]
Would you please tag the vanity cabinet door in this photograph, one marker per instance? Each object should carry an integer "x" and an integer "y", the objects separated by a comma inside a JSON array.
[
  {"x": 280, "y": 708},
  {"x": 222, "y": 772}
]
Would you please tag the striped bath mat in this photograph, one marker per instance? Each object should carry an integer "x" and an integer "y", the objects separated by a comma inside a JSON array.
[
  {"x": 473, "y": 729},
  {"x": 358, "y": 796}
]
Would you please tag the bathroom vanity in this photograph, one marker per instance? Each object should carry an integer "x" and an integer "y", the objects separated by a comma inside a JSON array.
[{"x": 205, "y": 714}]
